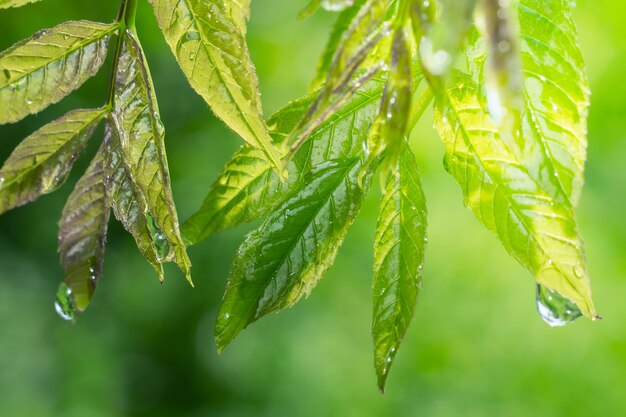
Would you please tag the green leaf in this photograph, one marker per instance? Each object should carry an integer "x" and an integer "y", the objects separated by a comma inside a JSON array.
[
  {"x": 208, "y": 40},
  {"x": 556, "y": 89},
  {"x": 513, "y": 195},
  {"x": 82, "y": 235},
  {"x": 248, "y": 188},
  {"x": 126, "y": 199},
  {"x": 285, "y": 257},
  {"x": 43, "y": 69},
  {"x": 341, "y": 26},
  {"x": 135, "y": 117},
  {"x": 5, "y": 4},
  {"x": 398, "y": 260},
  {"x": 392, "y": 123},
  {"x": 42, "y": 162}
]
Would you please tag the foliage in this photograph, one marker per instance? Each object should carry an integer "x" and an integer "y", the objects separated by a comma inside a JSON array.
[{"x": 510, "y": 97}]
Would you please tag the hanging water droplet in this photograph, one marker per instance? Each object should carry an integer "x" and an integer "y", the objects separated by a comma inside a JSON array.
[
  {"x": 159, "y": 240},
  {"x": 578, "y": 272},
  {"x": 63, "y": 303},
  {"x": 555, "y": 309},
  {"x": 336, "y": 5}
]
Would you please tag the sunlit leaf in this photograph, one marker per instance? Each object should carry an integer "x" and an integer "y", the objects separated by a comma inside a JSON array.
[
  {"x": 556, "y": 89},
  {"x": 5, "y": 4},
  {"x": 248, "y": 188},
  {"x": 286, "y": 256},
  {"x": 42, "y": 162},
  {"x": 208, "y": 40},
  {"x": 82, "y": 234},
  {"x": 398, "y": 259},
  {"x": 43, "y": 69},
  {"x": 135, "y": 117},
  {"x": 514, "y": 195}
]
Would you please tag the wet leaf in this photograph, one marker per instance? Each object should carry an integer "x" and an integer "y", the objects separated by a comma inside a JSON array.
[
  {"x": 398, "y": 260},
  {"x": 556, "y": 89},
  {"x": 247, "y": 188},
  {"x": 43, "y": 69},
  {"x": 135, "y": 117},
  {"x": 5, "y": 4},
  {"x": 42, "y": 162},
  {"x": 284, "y": 258},
  {"x": 341, "y": 26},
  {"x": 82, "y": 234},
  {"x": 392, "y": 123},
  {"x": 126, "y": 199},
  {"x": 514, "y": 194},
  {"x": 208, "y": 40}
]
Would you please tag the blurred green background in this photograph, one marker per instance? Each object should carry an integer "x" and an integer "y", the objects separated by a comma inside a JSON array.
[{"x": 476, "y": 346}]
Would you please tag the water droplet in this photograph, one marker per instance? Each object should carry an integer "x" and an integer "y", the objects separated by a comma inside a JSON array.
[
  {"x": 435, "y": 61},
  {"x": 555, "y": 309},
  {"x": 578, "y": 272},
  {"x": 336, "y": 5},
  {"x": 63, "y": 304},
  {"x": 66, "y": 37},
  {"x": 159, "y": 240}
]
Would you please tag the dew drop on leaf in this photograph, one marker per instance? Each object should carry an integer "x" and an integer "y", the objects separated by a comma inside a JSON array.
[
  {"x": 555, "y": 309},
  {"x": 63, "y": 304},
  {"x": 159, "y": 240}
]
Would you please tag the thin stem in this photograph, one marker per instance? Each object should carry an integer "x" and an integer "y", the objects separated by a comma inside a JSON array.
[
  {"x": 420, "y": 107},
  {"x": 126, "y": 21}
]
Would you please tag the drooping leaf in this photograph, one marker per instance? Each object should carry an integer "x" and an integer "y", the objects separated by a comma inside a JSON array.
[
  {"x": 556, "y": 89},
  {"x": 398, "y": 260},
  {"x": 392, "y": 123},
  {"x": 42, "y": 162},
  {"x": 513, "y": 195},
  {"x": 5, "y": 4},
  {"x": 208, "y": 39},
  {"x": 135, "y": 117},
  {"x": 248, "y": 188},
  {"x": 126, "y": 199},
  {"x": 82, "y": 234},
  {"x": 43, "y": 69},
  {"x": 342, "y": 24},
  {"x": 286, "y": 256},
  {"x": 354, "y": 62}
]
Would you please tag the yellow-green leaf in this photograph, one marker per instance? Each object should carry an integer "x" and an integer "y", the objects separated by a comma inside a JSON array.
[
  {"x": 513, "y": 195},
  {"x": 42, "y": 162},
  {"x": 208, "y": 39},
  {"x": 5, "y": 4},
  {"x": 43, "y": 69}
]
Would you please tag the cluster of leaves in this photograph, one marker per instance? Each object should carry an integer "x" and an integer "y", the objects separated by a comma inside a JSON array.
[{"x": 511, "y": 111}]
